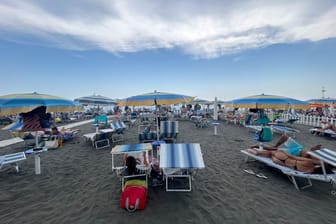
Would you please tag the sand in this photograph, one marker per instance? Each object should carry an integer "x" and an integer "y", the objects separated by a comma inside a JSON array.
[{"x": 77, "y": 185}]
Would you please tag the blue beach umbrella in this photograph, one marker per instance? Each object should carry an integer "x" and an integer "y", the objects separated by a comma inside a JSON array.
[
  {"x": 264, "y": 101},
  {"x": 322, "y": 101},
  {"x": 155, "y": 98},
  {"x": 22, "y": 103}
]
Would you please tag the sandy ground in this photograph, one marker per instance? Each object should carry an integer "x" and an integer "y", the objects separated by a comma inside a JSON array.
[{"x": 77, "y": 185}]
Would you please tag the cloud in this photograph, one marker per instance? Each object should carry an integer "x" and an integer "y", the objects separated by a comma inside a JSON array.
[{"x": 202, "y": 29}]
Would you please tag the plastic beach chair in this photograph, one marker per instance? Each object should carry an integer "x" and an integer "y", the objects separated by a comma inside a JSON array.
[
  {"x": 179, "y": 162},
  {"x": 169, "y": 130},
  {"x": 294, "y": 174},
  {"x": 12, "y": 159}
]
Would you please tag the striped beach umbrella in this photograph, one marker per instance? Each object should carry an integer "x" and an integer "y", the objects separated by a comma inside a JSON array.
[
  {"x": 22, "y": 103},
  {"x": 155, "y": 98},
  {"x": 96, "y": 100},
  {"x": 264, "y": 101},
  {"x": 321, "y": 102}
]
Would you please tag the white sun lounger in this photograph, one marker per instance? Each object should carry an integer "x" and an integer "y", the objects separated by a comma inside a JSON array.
[
  {"x": 11, "y": 141},
  {"x": 12, "y": 159},
  {"x": 292, "y": 174},
  {"x": 276, "y": 129},
  {"x": 318, "y": 131}
]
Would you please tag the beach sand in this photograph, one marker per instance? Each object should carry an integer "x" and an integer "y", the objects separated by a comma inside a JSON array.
[{"x": 77, "y": 185}]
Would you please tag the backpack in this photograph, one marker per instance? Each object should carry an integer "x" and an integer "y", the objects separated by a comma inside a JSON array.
[
  {"x": 134, "y": 198},
  {"x": 265, "y": 135}
]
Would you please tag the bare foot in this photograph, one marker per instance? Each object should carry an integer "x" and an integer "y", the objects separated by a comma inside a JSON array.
[
  {"x": 316, "y": 147},
  {"x": 252, "y": 151}
]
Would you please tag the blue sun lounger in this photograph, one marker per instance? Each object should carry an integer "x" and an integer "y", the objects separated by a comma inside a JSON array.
[{"x": 180, "y": 161}]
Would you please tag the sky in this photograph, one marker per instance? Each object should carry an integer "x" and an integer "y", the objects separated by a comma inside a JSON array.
[{"x": 214, "y": 48}]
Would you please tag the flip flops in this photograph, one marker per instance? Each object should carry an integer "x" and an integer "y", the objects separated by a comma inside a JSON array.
[
  {"x": 260, "y": 175},
  {"x": 250, "y": 172}
]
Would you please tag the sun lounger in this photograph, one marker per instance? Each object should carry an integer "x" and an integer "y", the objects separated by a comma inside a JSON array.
[
  {"x": 284, "y": 130},
  {"x": 131, "y": 149},
  {"x": 169, "y": 130},
  {"x": 11, "y": 141},
  {"x": 278, "y": 129},
  {"x": 12, "y": 159},
  {"x": 99, "y": 139},
  {"x": 327, "y": 132},
  {"x": 325, "y": 156},
  {"x": 293, "y": 174},
  {"x": 180, "y": 161}
]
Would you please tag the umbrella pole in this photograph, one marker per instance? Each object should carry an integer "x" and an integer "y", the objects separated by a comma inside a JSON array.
[
  {"x": 37, "y": 157},
  {"x": 157, "y": 125}
]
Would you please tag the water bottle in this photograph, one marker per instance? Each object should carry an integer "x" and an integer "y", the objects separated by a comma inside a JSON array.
[{"x": 261, "y": 146}]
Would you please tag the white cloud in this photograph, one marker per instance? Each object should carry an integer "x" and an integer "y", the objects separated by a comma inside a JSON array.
[{"x": 203, "y": 29}]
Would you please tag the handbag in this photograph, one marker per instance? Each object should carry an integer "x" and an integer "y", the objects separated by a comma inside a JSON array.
[{"x": 52, "y": 143}]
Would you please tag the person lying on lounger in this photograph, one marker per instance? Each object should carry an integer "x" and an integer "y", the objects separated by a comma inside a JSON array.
[
  {"x": 291, "y": 154},
  {"x": 62, "y": 135},
  {"x": 329, "y": 127}
]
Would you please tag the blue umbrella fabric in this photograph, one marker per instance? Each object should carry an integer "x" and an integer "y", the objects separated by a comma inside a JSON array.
[
  {"x": 322, "y": 101},
  {"x": 21, "y": 103},
  {"x": 264, "y": 101},
  {"x": 96, "y": 100},
  {"x": 155, "y": 98}
]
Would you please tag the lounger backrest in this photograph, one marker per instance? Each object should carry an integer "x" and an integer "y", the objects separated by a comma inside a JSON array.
[
  {"x": 12, "y": 158},
  {"x": 100, "y": 119},
  {"x": 118, "y": 125},
  {"x": 169, "y": 129}
]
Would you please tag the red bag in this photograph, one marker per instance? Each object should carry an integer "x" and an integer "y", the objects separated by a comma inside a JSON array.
[{"x": 134, "y": 198}]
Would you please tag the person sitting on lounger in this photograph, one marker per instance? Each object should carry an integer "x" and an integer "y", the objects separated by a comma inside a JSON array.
[
  {"x": 292, "y": 155},
  {"x": 130, "y": 166},
  {"x": 140, "y": 158}
]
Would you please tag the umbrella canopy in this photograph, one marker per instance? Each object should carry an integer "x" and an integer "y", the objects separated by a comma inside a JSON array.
[
  {"x": 21, "y": 103},
  {"x": 96, "y": 100},
  {"x": 201, "y": 101},
  {"x": 155, "y": 98},
  {"x": 321, "y": 102},
  {"x": 264, "y": 101}
]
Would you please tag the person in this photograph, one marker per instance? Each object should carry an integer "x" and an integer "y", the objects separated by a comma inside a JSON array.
[
  {"x": 140, "y": 158},
  {"x": 131, "y": 168},
  {"x": 62, "y": 134},
  {"x": 329, "y": 127},
  {"x": 292, "y": 154}
]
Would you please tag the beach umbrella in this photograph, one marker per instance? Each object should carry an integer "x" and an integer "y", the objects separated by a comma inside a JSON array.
[
  {"x": 21, "y": 103},
  {"x": 264, "y": 101},
  {"x": 201, "y": 101},
  {"x": 321, "y": 102},
  {"x": 155, "y": 98},
  {"x": 96, "y": 100}
]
